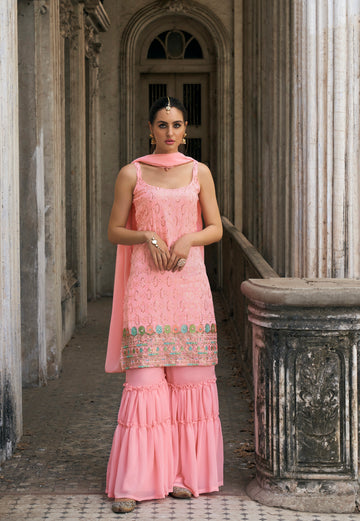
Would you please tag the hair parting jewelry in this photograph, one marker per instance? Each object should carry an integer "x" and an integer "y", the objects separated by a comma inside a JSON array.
[{"x": 168, "y": 106}]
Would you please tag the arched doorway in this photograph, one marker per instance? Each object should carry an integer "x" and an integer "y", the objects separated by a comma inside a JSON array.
[
  {"x": 176, "y": 62},
  {"x": 144, "y": 74}
]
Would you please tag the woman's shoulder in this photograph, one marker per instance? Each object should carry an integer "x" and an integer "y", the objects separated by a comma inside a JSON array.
[
  {"x": 128, "y": 171},
  {"x": 204, "y": 171},
  {"x": 127, "y": 175}
]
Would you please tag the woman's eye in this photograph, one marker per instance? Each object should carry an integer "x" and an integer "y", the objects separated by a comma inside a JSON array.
[
  {"x": 162, "y": 125},
  {"x": 177, "y": 125}
]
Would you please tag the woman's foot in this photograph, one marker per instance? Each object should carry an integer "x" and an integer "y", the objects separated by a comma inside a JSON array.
[
  {"x": 181, "y": 493},
  {"x": 123, "y": 505}
]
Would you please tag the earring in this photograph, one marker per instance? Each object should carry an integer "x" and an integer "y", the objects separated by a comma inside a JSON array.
[
  {"x": 153, "y": 141},
  {"x": 183, "y": 139}
]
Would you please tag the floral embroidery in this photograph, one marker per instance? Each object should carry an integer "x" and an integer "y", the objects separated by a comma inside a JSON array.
[{"x": 149, "y": 330}]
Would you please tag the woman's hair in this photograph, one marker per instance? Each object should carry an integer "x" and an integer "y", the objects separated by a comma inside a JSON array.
[{"x": 161, "y": 103}]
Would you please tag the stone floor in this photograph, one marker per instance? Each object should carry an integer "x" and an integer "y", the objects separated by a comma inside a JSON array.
[{"x": 58, "y": 469}]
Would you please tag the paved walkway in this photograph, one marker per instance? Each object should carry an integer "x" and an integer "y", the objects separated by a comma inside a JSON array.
[{"x": 58, "y": 470}]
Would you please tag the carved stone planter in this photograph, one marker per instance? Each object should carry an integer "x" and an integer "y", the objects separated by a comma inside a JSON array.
[{"x": 306, "y": 335}]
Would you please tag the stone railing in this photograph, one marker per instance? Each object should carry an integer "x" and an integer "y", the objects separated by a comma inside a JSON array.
[{"x": 240, "y": 261}]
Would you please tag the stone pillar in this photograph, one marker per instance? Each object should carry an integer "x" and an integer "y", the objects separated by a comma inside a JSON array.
[
  {"x": 96, "y": 21},
  {"x": 40, "y": 172},
  {"x": 306, "y": 334},
  {"x": 237, "y": 107},
  {"x": 301, "y": 139},
  {"x": 10, "y": 312},
  {"x": 325, "y": 234},
  {"x": 78, "y": 159}
]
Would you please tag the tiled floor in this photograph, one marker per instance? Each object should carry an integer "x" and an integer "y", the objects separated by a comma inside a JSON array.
[
  {"x": 204, "y": 508},
  {"x": 58, "y": 470}
]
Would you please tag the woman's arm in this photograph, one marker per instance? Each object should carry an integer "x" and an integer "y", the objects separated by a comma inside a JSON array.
[
  {"x": 212, "y": 232},
  {"x": 117, "y": 231}
]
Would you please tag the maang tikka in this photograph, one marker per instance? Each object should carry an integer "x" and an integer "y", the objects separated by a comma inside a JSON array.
[{"x": 168, "y": 106}]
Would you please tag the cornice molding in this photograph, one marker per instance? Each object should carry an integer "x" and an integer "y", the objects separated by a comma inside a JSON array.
[{"x": 96, "y": 11}]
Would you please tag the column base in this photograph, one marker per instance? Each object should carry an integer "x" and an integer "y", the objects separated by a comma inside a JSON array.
[{"x": 307, "y": 495}]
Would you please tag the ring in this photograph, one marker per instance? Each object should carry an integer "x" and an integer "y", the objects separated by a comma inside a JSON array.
[
  {"x": 181, "y": 262},
  {"x": 154, "y": 241}
]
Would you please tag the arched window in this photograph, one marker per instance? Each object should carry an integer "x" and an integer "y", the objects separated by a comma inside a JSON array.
[{"x": 175, "y": 45}]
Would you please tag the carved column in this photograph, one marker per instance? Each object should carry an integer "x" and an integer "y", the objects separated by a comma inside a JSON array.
[
  {"x": 306, "y": 334},
  {"x": 10, "y": 312},
  {"x": 77, "y": 110},
  {"x": 95, "y": 21}
]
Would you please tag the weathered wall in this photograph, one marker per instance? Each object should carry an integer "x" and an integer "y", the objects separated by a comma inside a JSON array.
[{"x": 120, "y": 13}]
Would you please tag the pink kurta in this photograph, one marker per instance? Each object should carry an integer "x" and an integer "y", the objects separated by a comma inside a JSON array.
[{"x": 168, "y": 317}]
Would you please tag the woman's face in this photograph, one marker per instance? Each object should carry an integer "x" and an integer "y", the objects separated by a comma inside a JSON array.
[{"x": 168, "y": 130}]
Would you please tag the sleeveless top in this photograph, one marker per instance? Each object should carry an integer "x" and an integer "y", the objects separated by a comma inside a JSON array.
[{"x": 168, "y": 317}]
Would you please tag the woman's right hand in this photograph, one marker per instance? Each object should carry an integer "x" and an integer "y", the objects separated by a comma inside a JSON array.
[{"x": 158, "y": 249}]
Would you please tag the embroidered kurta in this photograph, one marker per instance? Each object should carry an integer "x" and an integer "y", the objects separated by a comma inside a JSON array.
[{"x": 168, "y": 317}]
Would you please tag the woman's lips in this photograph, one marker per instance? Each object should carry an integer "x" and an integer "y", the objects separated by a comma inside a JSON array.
[{"x": 169, "y": 141}]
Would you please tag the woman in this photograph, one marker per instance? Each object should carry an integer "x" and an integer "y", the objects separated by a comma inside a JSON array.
[{"x": 163, "y": 333}]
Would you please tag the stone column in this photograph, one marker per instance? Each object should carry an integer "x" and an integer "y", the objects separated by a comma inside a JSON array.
[
  {"x": 96, "y": 21},
  {"x": 325, "y": 212},
  {"x": 306, "y": 334},
  {"x": 78, "y": 159},
  {"x": 10, "y": 312},
  {"x": 40, "y": 171}
]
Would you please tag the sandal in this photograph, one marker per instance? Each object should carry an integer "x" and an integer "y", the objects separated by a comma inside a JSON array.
[
  {"x": 123, "y": 505},
  {"x": 181, "y": 493}
]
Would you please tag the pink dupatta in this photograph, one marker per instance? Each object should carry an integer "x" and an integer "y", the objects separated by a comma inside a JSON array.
[{"x": 122, "y": 268}]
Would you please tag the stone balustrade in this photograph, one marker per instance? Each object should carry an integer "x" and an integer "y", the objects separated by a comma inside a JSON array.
[
  {"x": 240, "y": 261},
  {"x": 306, "y": 337}
]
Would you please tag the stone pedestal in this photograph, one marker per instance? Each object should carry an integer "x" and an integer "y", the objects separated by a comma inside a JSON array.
[{"x": 306, "y": 334}]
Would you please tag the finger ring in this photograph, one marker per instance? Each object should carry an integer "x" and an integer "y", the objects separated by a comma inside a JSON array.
[
  {"x": 154, "y": 241},
  {"x": 181, "y": 262}
]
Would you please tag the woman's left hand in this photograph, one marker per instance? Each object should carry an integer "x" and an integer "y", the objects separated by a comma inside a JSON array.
[{"x": 179, "y": 251}]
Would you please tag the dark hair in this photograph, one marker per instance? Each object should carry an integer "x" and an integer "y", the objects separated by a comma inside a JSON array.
[{"x": 161, "y": 103}]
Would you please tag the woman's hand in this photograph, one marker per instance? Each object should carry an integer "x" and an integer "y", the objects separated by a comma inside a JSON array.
[
  {"x": 179, "y": 250},
  {"x": 158, "y": 249}
]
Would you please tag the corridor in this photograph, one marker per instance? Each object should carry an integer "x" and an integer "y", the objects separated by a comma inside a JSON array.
[{"x": 58, "y": 469}]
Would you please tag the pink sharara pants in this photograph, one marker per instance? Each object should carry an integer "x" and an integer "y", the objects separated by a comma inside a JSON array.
[{"x": 168, "y": 434}]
